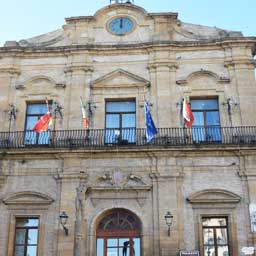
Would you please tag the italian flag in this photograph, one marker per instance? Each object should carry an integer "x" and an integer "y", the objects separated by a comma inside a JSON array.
[
  {"x": 44, "y": 122},
  {"x": 187, "y": 114},
  {"x": 85, "y": 118}
]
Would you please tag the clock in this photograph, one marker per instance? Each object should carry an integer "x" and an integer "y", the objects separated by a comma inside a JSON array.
[{"x": 121, "y": 26}]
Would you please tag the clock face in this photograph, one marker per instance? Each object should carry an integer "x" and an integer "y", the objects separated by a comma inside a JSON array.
[{"x": 121, "y": 26}]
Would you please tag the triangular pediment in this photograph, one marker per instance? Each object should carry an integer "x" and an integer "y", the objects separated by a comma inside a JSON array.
[
  {"x": 118, "y": 79},
  {"x": 28, "y": 198},
  {"x": 213, "y": 196}
]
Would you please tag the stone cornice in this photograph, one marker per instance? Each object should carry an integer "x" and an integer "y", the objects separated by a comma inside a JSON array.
[{"x": 146, "y": 46}]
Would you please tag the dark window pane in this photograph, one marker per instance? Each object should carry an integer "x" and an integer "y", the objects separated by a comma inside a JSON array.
[
  {"x": 204, "y": 104},
  {"x": 37, "y": 109},
  {"x": 31, "y": 251},
  {"x": 213, "y": 133},
  {"x": 32, "y": 236},
  {"x": 19, "y": 251},
  {"x": 199, "y": 134},
  {"x": 122, "y": 106},
  {"x": 31, "y": 121},
  {"x": 32, "y": 222},
  {"x": 112, "y": 136},
  {"x": 128, "y": 120},
  {"x": 212, "y": 118},
  {"x": 198, "y": 119},
  {"x": 20, "y": 236},
  {"x": 112, "y": 121}
]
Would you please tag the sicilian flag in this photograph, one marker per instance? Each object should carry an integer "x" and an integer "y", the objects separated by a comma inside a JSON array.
[
  {"x": 44, "y": 122},
  {"x": 151, "y": 130},
  {"x": 85, "y": 119},
  {"x": 187, "y": 114}
]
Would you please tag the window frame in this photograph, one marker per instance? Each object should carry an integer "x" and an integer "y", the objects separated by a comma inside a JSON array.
[
  {"x": 206, "y": 133},
  {"x": 215, "y": 244},
  {"x": 27, "y": 228},
  {"x": 26, "y": 131},
  {"x": 118, "y": 234},
  {"x": 206, "y": 110},
  {"x": 120, "y": 139}
]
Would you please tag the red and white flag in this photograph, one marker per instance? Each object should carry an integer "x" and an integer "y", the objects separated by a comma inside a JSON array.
[
  {"x": 44, "y": 122},
  {"x": 187, "y": 114},
  {"x": 85, "y": 118}
]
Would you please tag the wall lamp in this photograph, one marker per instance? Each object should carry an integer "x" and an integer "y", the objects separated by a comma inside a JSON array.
[
  {"x": 63, "y": 221},
  {"x": 168, "y": 219}
]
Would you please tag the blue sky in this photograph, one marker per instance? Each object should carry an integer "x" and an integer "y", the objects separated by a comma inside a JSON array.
[{"x": 20, "y": 19}]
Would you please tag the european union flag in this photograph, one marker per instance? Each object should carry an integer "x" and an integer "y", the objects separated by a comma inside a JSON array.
[{"x": 151, "y": 130}]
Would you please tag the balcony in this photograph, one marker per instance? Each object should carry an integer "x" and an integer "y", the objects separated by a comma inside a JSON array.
[{"x": 166, "y": 137}]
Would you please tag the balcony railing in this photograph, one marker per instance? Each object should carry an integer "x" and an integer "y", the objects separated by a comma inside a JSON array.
[{"x": 129, "y": 137}]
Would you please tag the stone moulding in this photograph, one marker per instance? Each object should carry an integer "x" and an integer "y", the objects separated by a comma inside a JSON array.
[
  {"x": 135, "y": 80},
  {"x": 214, "y": 196},
  {"x": 10, "y": 70},
  {"x": 28, "y": 198},
  {"x": 191, "y": 76},
  {"x": 101, "y": 194}
]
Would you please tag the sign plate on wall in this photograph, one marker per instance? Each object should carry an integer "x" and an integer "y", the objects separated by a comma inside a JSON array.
[{"x": 189, "y": 253}]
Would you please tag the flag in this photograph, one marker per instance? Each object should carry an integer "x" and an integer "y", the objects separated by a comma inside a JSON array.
[
  {"x": 187, "y": 114},
  {"x": 151, "y": 130},
  {"x": 85, "y": 119},
  {"x": 44, "y": 122}
]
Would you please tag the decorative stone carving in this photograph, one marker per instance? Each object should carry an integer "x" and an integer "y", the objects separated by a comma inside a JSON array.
[
  {"x": 117, "y": 186},
  {"x": 28, "y": 199}
]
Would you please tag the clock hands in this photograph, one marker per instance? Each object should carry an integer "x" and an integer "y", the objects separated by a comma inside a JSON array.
[{"x": 121, "y": 23}]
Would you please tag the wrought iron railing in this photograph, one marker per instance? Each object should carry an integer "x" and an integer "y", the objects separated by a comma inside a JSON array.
[{"x": 129, "y": 137}]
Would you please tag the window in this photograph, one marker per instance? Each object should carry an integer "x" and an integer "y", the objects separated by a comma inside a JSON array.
[
  {"x": 120, "y": 122},
  {"x": 26, "y": 236},
  {"x": 34, "y": 112},
  {"x": 215, "y": 236},
  {"x": 118, "y": 234},
  {"x": 206, "y": 126}
]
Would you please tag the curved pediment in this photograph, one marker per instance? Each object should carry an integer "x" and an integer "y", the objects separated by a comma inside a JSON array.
[
  {"x": 119, "y": 78},
  {"x": 213, "y": 196},
  {"x": 27, "y": 198},
  {"x": 203, "y": 74}
]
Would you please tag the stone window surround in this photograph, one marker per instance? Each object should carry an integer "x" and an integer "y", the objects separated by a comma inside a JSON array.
[
  {"x": 24, "y": 205},
  {"x": 215, "y": 203}
]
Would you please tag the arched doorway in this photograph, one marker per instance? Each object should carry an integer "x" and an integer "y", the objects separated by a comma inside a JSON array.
[{"x": 119, "y": 234}]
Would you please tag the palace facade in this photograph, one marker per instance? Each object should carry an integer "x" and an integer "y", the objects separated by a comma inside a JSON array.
[{"x": 105, "y": 191}]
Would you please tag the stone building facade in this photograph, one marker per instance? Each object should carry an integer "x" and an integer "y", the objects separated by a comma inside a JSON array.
[{"x": 113, "y": 185}]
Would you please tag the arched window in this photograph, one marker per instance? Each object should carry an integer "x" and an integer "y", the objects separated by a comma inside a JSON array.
[{"x": 119, "y": 234}]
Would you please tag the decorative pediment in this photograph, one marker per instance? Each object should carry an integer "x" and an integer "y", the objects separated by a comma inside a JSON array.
[
  {"x": 28, "y": 198},
  {"x": 214, "y": 196},
  {"x": 119, "y": 78},
  {"x": 203, "y": 73},
  {"x": 116, "y": 186}
]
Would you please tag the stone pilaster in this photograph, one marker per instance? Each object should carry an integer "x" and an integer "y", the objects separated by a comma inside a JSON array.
[{"x": 80, "y": 77}]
